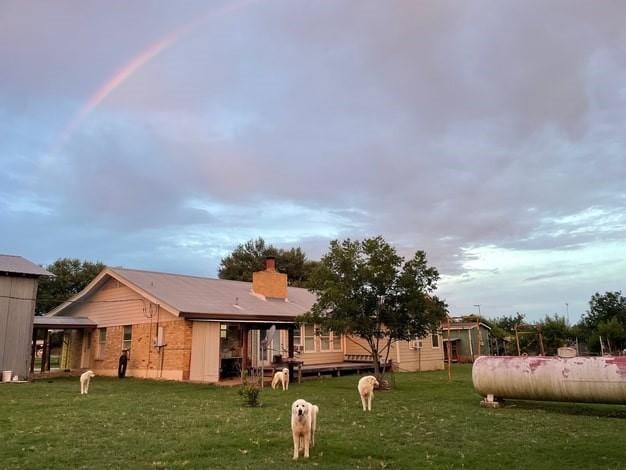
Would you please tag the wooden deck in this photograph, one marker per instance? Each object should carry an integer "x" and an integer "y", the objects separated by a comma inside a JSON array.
[
  {"x": 310, "y": 370},
  {"x": 337, "y": 368}
]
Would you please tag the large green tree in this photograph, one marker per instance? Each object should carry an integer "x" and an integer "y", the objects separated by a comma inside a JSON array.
[
  {"x": 70, "y": 277},
  {"x": 364, "y": 288},
  {"x": 250, "y": 257},
  {"x": 605, "y": 318}
]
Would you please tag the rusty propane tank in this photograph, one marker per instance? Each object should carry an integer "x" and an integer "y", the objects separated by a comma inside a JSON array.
[{"x": 577, "y": 379}]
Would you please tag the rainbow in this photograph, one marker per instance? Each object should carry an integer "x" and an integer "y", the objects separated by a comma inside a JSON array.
[{"x": 130, "y": 68}]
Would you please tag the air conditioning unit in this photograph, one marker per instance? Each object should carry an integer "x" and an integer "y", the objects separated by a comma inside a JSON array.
[{"x": 299, "y": 348}]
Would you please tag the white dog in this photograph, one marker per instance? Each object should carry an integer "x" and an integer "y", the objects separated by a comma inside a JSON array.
[
  {"x": 281, "y": 376},
  {"x": 366, "y": 390},
  {"x": 85, "y": 378},
  {"x": 303, "y": 424}
]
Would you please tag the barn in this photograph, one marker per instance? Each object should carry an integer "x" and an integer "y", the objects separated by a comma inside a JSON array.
[{"x": 18, "y": 294}]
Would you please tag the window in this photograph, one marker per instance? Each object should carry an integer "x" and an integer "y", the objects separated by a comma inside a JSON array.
[
  {"x": 325, "y": 341},
  {"x": 223, "y": 330},
  {"x": 330, "y": 341},
  {"x": 127, "y": 337},
  {"x": 297, "y": 339},
  {"x": 435, "y": 337},
  {"x": 102, "y": 342},
  {"x": 336, "y": 341},
  {"x": 309, "y": 338}
]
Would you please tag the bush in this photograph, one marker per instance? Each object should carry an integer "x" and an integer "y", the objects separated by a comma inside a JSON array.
[{"x": 250, "y": 392}]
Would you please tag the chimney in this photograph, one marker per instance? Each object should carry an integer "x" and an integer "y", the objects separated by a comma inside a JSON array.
[{"x": 270, "y": 283}]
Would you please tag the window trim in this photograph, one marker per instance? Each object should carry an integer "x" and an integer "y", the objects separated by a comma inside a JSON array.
[
  {"x": 331, "y": 342},
  {"x": 102, "y": 343},
  {"x": 432, "y": 342},
  {"x": 124, "y": 340},
  {"x": 305, "y": 336}
]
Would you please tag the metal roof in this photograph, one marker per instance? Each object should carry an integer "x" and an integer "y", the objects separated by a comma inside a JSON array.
[
  {"x": 201, "y": 297},
  {"x": 63, "y": 322},
  {"x": 12, "y": 264}
]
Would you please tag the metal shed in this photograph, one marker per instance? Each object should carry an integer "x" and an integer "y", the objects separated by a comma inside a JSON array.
[{"x": 18, "y": 293}]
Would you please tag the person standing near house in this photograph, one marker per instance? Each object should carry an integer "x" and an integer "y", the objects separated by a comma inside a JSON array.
[{"x": 121, "y": 368}]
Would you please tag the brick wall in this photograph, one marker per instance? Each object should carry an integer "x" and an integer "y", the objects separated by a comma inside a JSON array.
[{"x": 145, "y": 359}]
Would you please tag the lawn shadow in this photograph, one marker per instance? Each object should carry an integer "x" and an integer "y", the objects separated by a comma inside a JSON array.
[{"x": 567, "y": 408}]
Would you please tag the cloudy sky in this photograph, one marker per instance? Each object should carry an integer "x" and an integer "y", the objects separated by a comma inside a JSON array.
[{"x": 159, "y": 135}]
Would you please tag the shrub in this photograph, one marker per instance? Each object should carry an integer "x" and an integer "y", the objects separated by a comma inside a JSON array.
[{"x": 250, "y": 391}]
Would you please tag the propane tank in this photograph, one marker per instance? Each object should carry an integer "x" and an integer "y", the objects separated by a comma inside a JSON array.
[{"x": 554, "y": 378}]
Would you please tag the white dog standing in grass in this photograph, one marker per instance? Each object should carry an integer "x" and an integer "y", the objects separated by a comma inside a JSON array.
[
  {"x": 366, "y": 390},
  {"x": 303, "y": 424},
  {"x": 281, "y": 376},
  {"x": 85, "y": 379}
]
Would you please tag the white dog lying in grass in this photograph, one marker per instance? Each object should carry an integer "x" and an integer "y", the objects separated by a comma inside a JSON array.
[
  {"x": 366, "y": 390},
  {"x": 281, "y": 376},
  {"x": 85, "y": 378},
  {"x": 303, "y": 424}
]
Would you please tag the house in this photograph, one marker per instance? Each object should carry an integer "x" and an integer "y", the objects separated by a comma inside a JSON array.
[
  {"x": 467, "y": 340},
  {"x": 201, "y": 329},
  {"x": 18, "y": 295}
]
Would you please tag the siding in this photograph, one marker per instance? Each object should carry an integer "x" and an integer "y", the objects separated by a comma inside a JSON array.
[
  {"x": 17, "y": 308},
  {"x": 418, "y": 360},
  {"x": 115, "y": 304},
  {"x": 404, "y": 358},
  {"x": 465, "y": 353}
]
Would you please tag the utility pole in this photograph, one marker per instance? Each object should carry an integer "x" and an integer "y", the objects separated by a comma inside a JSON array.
[
  {"x": 478, "y": 336},
  {"x": 567, "y": 312}
]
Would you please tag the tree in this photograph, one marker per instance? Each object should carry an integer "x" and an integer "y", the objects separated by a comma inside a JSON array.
[
  {"x": 555, "y": 332},
  {"x": 250, "y": 257},
  {"x": 71, "y": 276},
  {"x": 365, "y": 289},
  {"x": 503, "y": 329},
  {"x": 605, "y": 318}
]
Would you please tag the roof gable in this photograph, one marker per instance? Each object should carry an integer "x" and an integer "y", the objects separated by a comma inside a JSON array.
[{"x": 198, "y": 297}]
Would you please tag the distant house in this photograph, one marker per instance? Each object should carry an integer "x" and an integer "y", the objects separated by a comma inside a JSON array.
[
  {"x": 467, "y": 340},
  {"x": 201, "y": 329},
  {"x": 18, "y": 295}
]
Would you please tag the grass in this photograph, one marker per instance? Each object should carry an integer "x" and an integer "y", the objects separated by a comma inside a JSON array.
[{"x": 424, "y": 422}]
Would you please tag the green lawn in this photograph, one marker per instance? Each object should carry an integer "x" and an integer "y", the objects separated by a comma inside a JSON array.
[{"x": 424, "y": 422}]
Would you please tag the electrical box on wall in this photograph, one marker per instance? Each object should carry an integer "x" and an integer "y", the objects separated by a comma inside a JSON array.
[{"x": 160, "y": 339}]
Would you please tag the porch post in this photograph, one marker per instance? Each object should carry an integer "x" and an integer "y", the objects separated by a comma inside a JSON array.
[
  {"x": 45, "y": 357},
  {"x": 244, "y": 349},
  {"x": 290, "y": 348},
  {"x": 33, "y": 350}
]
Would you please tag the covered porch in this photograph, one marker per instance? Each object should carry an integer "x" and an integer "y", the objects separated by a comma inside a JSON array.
[
  {"x": 60, "y": 344},
  {"x": 226, "y": 351}
]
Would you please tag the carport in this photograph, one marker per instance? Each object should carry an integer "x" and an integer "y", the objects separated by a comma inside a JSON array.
[{"x": 76, "y": 343}]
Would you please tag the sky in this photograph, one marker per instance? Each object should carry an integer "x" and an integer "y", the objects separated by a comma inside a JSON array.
[{"x": 160, "y": 135}]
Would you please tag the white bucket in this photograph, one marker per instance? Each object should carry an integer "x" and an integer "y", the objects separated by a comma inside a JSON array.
[{"x": 6, "y": 375}]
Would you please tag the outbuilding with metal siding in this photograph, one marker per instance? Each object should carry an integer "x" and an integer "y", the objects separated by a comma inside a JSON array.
[{"x": 18, "y": 294}]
